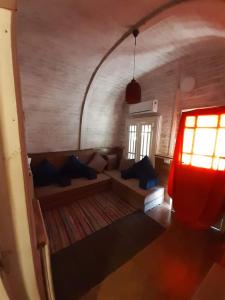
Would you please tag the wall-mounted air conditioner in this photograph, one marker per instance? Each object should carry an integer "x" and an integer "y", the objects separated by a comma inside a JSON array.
[{"x": 144, "y": 107}]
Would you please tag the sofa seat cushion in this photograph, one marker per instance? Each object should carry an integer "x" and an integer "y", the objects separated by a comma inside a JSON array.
[
  {"x": 133, "y": 184},
  {"x": 51, "y": 190}
]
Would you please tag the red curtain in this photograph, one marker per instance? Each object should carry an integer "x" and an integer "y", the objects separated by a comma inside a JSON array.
[{"x": 198, "y": 193}]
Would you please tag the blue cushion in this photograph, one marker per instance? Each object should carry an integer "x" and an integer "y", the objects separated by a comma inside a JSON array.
[
  {"x": 146, "y": 183},
  {"x": 89, "y": 173},
  {"x": 144, "y": 168},
  {"x": 128, "y": 173},
  {"x": 74, "y": 168},
  {"x": 63, "y": 179},
  {"x": 44, "y": 173},
  {"x": 144, "y": 171},
  {"x": 141, "y": 169}
]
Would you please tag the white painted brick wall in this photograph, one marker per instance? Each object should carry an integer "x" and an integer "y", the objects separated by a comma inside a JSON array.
[{"x": 208, "y": 69}]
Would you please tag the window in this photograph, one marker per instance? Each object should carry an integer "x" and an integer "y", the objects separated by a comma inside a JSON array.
[
  {"x": 204, "y": 141},
  {"x": 145, "y": 140},
  {"x": 132, "y": 133},
  {"x": 141, "y": 137}
]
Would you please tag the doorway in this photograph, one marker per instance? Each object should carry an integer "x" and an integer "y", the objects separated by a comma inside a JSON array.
[{"x": 142, "y": 137}]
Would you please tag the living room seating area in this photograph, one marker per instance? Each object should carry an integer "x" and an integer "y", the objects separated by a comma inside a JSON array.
[{"x": 110, "y": 178}]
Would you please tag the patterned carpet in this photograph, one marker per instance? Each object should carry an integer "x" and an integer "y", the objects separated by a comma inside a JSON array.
[{"x": 68, "y": 224}]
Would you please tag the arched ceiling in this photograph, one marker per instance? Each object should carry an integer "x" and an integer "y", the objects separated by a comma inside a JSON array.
[{"x": 61, "y": 44}]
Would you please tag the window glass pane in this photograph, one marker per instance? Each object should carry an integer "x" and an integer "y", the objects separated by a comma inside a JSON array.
[
  {"x": 188, "y": 140},
  {"x": 186, "y": 159},
  {"x": 132, "y": 135},
  {"x": 190, "y": 121},
  {"x": 131, "y": 156},
  {"x": 204, "y": 141},
  {"x": 215, "y": 163},
  {"x": 220, "y": 145},
  {"x": 201, "y": 161},
  {"x": 222, "y": 121},
  {"x": 207, "y": 121},
  {"x": 221, "y": 165},
  {"x": 145, "y": 140}
]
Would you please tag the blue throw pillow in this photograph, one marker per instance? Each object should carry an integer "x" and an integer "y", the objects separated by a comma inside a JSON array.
[
  {"x": 144, "y": 169},
  {"x": 63, "y": 179},
  {"x": 146, "y": 183},
  {"x": 127, "y": 174},
  {"x": 74, "y": 168},
  {"x": 141, "y": 169},
  {"x": 44, "y": 173},
  {"x": 90, "y": 173}
]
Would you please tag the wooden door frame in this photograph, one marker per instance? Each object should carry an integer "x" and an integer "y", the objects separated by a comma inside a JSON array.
[{"x": 18, "y": 269}]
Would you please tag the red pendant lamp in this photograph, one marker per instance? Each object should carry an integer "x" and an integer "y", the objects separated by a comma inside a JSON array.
[{"x": 133, "y": 89}]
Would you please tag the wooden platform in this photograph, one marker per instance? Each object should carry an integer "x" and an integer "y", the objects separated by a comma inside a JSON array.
[{"x": 53, "y": 196}]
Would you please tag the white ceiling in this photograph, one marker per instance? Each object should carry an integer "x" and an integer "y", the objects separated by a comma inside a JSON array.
[{"x": 61, "y": 44}]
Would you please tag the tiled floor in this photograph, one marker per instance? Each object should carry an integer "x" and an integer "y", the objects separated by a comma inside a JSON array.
[{"x": 171, "y": 267}]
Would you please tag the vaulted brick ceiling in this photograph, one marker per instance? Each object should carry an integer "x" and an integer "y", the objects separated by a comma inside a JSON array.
[{"x": 60, "y": 45}]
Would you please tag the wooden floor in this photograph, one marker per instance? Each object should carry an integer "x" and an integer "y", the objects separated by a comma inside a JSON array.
[
  {"x": 170, "y": 268},
  {"x": 162, "y": 214}
]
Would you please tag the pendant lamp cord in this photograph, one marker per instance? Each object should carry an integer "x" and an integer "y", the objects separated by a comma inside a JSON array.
[{"x": 134, "y": 56}]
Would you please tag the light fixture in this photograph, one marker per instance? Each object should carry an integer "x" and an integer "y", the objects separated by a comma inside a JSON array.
[
  {"x": 133, "y": 89},
  {"x": 187, "y": 84}
]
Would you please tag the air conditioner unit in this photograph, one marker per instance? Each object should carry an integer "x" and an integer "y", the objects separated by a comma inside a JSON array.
[{"x": 143, "y": 107}]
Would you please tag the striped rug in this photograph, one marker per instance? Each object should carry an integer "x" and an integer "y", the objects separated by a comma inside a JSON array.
[{"x": 68, "y": 224}]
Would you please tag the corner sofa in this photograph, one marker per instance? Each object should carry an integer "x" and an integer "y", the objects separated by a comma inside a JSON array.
[{"x": 129, "y": 190}]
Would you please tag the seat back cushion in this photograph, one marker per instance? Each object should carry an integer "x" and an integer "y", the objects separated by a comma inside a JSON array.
[
  {"x": 112, "y": 161},
  {"x": 98, "y": 163}
]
